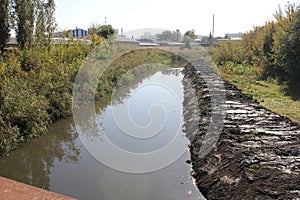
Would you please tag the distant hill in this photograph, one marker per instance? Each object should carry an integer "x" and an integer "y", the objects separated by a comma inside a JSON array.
[{"x": 137, "y": 33}]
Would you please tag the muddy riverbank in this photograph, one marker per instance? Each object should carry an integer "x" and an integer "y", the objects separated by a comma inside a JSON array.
[{"x": 257, "y": 155}]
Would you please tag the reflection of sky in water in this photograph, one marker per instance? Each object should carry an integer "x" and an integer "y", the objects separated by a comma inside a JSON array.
[{"x": 153, "y": 109}]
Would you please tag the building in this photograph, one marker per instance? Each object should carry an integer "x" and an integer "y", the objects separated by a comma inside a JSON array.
[
  {"x": 234, "y": 36},
  {"x": 79, "y": 33},
  {"x": 127, "y": 41},
  {"x": 148, "y": 35},
  {"x": 116, "y": 31},
  {"x": 147, "y": 43},
  {"x": 75, "y": 33}
]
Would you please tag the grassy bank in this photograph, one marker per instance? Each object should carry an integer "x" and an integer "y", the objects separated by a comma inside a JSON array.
[{"x": 267, "y": 92}]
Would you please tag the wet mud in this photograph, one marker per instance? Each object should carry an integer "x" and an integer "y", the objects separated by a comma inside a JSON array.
[{"x": 257, "y": 155}]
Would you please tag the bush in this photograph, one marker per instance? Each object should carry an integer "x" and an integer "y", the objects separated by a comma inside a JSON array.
[
  {"x": 9, "y": 136},
  {"x": 35, "y": 90},
  {"x": 23, "y": 108},
  {"x": 274, "y": 48}
]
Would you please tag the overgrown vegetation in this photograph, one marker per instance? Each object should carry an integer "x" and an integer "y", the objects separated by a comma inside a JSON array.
[
  {"x": 36, "y": 85},
  {"x": 35, "y": 90},
  {"x": 273, "y": 50},
  {"x": 266, "y": 62}
]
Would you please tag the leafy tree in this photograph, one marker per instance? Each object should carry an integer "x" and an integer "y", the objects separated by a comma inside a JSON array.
[
  {"x": 191, "y": 34},
  {"x": 176, "y": 36},
  {"x": 50, "y": 20},
  {"x": 94, "y": 28},
  {"x": 274, "y": 48},
  {"x": 187, "y": 42},
  {"x": 210, "y": 39},
  {"x": 4, "y": 23},
  {"x": 269, "y": 40},
  {"x": 279, "y": 14},
  {"x": 164, "y": 36},
  {"x": 24, "y": 16},
  {"x": 40, "y": 29},
  {"x": 188, "y": 37},
  {"x": 293, "y": 55},
  {"x": 106, "y": 31},
  {"x": 227, "y": 36},
  {"x": 268, "y": 51},
  {"x": 281, "y": 44}
]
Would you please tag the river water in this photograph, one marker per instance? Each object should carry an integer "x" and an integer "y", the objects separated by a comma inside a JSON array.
[{"x": 63, "y": 162}]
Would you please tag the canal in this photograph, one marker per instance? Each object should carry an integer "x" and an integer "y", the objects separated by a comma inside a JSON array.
[{"x": 72, "y": 162}]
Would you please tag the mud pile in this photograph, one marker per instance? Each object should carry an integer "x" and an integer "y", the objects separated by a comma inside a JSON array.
[{"x": 257, "y": 155}]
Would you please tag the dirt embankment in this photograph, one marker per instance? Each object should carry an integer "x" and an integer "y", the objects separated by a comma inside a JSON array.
[{"x": 257, "y": 155}]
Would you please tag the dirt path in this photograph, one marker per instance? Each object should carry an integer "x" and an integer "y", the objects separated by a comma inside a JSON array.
[{"x": 257, "y": 155}]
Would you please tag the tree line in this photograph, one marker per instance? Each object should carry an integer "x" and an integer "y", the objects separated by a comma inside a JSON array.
[
  {"x": 274, "y": 48},
  {"x": 36, "y": 79},
  {"x": 32, "y": 20},
  {"x": 176, "y": 36}
]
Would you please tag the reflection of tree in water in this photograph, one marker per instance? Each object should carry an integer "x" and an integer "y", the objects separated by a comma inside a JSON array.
[
  {"x": 32, "y": 163},
  {"x": 92, "y": 125},
  {"x": 126, "y": 85},
  {"x": 173, "y": 72},
  {"x": 132, "y": 79},
  {"x": 130, "y": 68},
  {"x": 116, "y": 83}
]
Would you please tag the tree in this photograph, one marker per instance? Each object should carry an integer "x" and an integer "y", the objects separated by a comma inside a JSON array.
[
  {"x": 268, "y": 55},
  {"x": 293, "y": 55},
  {"x": 24, "y": 16},
  {"x": 176, "y": 36},
  {"x": 191, "y": 34},
  {"x": 164, "y": 36},
  {"x": 227, "y": 36},
  {"x": 50, "y": 20},
  {"x": 40, "y": 29},
  {"x": 94, "y": 28},
  {"x": 210, "y": 39},
  {"x": 278, "y": 14},
  {"x": 106, "y": 31},
  {"x": 187, "y": 42},
  {"x": 4, "y": 23},
  {"x": 188, "y": 37},
  {"x": 268, "y": 40},
  {"x": 281, "y": 44}
]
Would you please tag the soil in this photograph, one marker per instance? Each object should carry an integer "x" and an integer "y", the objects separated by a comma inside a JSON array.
[{"x": 257, "y": 155}]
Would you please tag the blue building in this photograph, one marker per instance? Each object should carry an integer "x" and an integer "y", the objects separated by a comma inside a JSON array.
[{"x": 79, "y": 33}]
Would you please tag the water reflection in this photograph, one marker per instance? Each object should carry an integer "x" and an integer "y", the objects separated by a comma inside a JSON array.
[
  {"x": 141, "y": 132},
  {"x": 59, "y": 161},
  {"x": 33, "y": 162}
]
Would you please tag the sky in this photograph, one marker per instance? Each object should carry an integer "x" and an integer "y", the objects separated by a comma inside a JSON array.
[{"x": 231, "y": 16}]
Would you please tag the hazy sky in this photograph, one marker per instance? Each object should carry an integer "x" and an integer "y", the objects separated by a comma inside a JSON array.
[{"x": 230, "y": 15}]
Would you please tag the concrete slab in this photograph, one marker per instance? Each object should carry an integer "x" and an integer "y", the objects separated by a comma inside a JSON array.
[{"x": 13, "y": 190}]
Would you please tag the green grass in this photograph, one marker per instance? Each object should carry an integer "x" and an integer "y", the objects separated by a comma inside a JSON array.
[{"x": 269, "y": 95}]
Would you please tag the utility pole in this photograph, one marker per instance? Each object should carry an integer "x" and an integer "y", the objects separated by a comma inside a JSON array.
[
  {"x": 105, "y": 20},
  {"x": 213, "y": 30}
]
